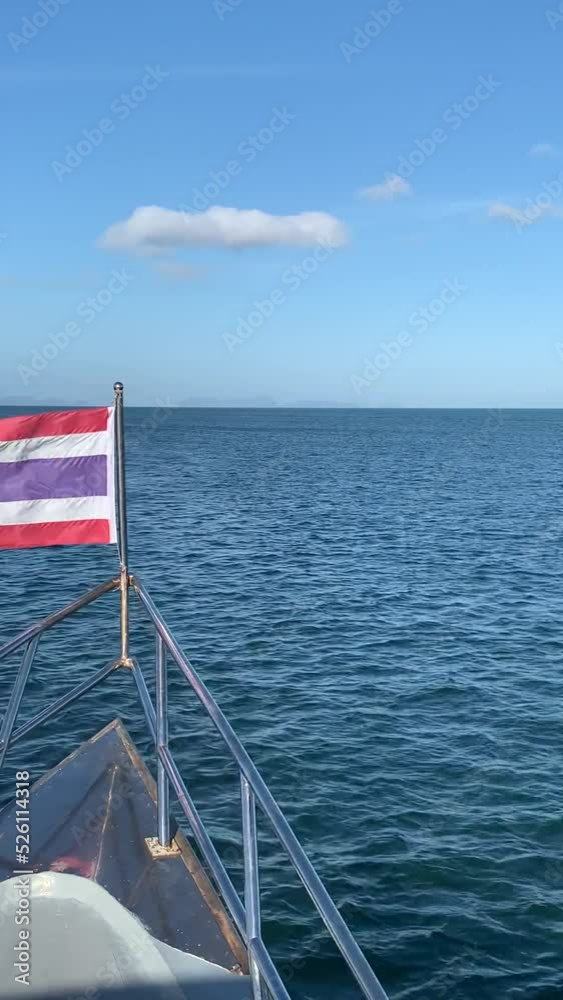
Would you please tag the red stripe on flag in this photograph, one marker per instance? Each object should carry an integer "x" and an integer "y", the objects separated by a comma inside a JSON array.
[
  {"x": 29, "y": 536},
  {"x": 54, "y": 424}
]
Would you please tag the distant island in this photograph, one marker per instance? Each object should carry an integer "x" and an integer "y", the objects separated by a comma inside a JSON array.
[{"x": 196, "y": 402}]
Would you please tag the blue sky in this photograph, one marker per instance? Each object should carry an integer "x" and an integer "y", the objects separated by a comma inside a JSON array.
[{"x": 181, "y": 89}]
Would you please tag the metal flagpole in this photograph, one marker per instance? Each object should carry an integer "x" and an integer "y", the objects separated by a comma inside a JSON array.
[
  {"x": 160, "y": 846},
  {"x": 122, "y": 520}
]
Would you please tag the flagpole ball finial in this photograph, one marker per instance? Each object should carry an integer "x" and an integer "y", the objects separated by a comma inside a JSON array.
[{"x": 118, "y": 386}]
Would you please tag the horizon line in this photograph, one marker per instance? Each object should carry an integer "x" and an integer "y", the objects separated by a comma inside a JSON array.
[{"x": 274, "y": 407}]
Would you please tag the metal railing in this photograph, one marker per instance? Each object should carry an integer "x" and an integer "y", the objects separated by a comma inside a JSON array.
[{"x": 265, "y": 978}]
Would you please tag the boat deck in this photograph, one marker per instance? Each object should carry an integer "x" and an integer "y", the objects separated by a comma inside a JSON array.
[{"x": 93, "y": 816}]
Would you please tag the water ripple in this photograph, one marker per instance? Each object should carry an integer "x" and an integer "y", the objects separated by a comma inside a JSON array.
[{"x": 374, "y": 597}]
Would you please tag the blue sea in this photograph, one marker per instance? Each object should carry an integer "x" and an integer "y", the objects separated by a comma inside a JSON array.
[{"x": 375, "y": 598}]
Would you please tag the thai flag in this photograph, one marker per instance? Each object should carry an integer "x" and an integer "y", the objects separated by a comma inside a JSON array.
[{"x": 57, "y": 479}]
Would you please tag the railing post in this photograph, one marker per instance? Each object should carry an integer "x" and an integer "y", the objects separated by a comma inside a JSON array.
[
  {"x": 122, "y": 519},
  {"x": 349, "y": 949},
  {"x": 16, "y": 696},
  {"x": 163, "y": 799},
  {"x": 251, "y": 880}
]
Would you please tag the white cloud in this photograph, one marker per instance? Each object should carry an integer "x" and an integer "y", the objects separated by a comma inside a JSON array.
[
  {"x": 391, "y": 188},
  {"x": 543, "y": 150},
  {"x": 524, "y": 217},
  {"x": 154, "y": 230},
  {"x": 506, "y": 213}
]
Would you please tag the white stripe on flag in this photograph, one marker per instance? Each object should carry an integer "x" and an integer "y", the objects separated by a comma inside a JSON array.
[
  {"x": 112, "y": 512},
  {"x": 39, "y": 511},
  {"x": 66, "y": 446}
]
